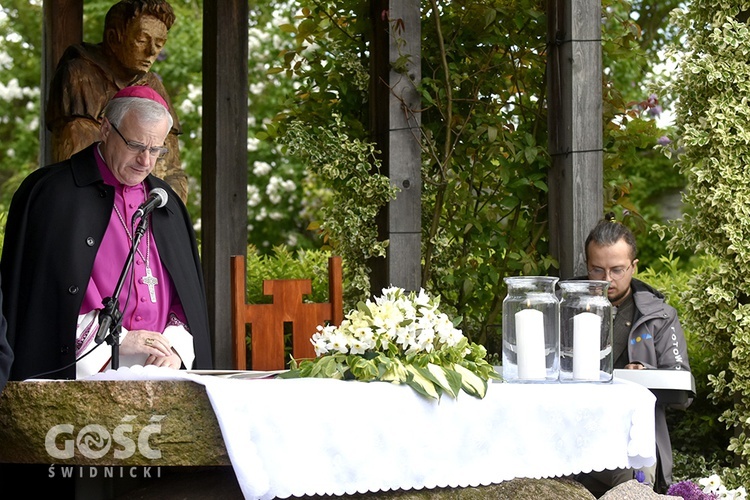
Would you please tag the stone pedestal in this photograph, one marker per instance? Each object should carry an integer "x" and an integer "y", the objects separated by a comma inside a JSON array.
[{"x": 144, "y": 423}]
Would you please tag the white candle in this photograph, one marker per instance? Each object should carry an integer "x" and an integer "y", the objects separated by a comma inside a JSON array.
[
  {"x": 586, "y": 346},
  {"x": 530, "y": 344}
]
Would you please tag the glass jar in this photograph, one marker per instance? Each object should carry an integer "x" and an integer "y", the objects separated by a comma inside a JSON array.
[
  {"x": 531, "y": 330},
  {"x": 585, "y": 332}
]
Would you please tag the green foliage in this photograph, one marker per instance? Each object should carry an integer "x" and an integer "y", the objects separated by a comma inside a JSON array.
[
  {"x": 484, "y": 153},
  {"x": 712, "y": 83},
  {"x": 20, "y": 53},
  {"x": 634, "y": 34},
  {"x": 483, "y": 136},
  {"x": 325, "y": 128},
  {"x": 347, "y": 167},
  {"x": 277, "y": 184},
  {"x": 284, "y": 263}
]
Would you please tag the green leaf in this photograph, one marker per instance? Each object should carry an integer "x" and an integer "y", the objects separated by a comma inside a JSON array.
[
  {"x": 307, "y": 27},
  {"x": 420, "y": 383},
  {"x": 492, "y": 133},
  {"x": 470, "y": 382},
  {"x": 448, "y": 381},
  {"x": 394, "y": 372}
]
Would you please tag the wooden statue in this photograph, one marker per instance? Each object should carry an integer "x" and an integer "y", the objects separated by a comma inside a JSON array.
[{"x": 88, "y": 75}]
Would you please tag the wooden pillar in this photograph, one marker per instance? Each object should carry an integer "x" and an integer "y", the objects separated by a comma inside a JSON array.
[
  {"x": 63, "y": 26},
  {"x": 224, "y": 170},
  {"x": 396, "y": 126},
  {"x": 575, "y": 128}
]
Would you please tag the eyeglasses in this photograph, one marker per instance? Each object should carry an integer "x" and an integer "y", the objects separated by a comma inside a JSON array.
[
  {"x": 138, "y": 148},
  {"x": 615, "y": 273}
]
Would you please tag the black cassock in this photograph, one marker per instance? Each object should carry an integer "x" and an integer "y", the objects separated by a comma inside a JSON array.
[{"x": 56, "y": 222}]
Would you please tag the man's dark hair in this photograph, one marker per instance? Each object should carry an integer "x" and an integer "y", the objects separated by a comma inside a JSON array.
[
  {"x": 608, "y": 232},
  {"x": 121, "y": 13}
]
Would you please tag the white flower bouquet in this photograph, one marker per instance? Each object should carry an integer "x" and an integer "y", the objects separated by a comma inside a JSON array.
[{"x": 400, "y": 337}]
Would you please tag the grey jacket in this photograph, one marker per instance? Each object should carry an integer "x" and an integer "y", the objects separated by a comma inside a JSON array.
[
  {"x": 657, "y": 341},
  {"x": 656, "y": 338}
]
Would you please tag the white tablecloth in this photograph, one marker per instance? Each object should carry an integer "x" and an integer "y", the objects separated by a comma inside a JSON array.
[{"x": 321, "y": 436}]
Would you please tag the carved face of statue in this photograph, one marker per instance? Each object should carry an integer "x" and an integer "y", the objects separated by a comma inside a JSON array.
[{"x": 141, "y": 43}]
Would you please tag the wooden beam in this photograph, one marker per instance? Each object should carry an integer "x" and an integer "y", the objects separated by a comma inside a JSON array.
[
  {"x": 63, "y": 26},
  {"x": 224, "y": 170},
  {"x": 396, "y": 129},
  {"x": 575, "y": 128}
]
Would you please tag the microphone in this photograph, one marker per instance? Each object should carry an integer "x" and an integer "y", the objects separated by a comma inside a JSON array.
[{"x": 157, "y": 198}]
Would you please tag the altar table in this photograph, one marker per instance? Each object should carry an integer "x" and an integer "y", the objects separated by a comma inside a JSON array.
[{"x": 300, "y": 437}]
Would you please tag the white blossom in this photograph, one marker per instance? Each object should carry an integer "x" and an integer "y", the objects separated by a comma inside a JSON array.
[
  {"x": 252, "y": 144},
  {"x": 6, "y": 62},
  {"x": 257, "y": 88},
  {"x": 187, "y": 107},
  {"x": 713, "y": 485},
  {"x": 338, "y": 342},
  {"x": 261, "y": 168},
  {"x": 195, "y": 92},
  {"x": 710, "y": 483},
  {"x": 409, "y": 321},
  {"x": 253, "y": 196},
  {"x": 11, "y": 91}
]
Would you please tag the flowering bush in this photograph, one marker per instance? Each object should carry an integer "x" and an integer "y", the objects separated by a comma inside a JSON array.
[
  {"x": 711, "y": 488},
  {"x": 401, "y": 338},
  {"x": 688, "y": 490}
]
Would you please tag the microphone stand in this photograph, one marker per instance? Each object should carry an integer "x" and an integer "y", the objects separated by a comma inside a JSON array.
[{"x": 110, "y": 318}]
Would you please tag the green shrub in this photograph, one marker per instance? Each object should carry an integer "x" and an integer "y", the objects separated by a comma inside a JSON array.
[
  {"x": 282, "y": 263},
  {"x": 711, "y": 85}
]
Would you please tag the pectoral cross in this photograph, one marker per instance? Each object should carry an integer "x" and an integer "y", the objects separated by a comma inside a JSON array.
[{"x": 150, "y": 281}]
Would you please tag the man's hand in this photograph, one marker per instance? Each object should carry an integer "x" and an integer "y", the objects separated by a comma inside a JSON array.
[
  {"x": 634, "y": 366},
  {"x": 142, "y": 341},
  {"x": 171, "y": 361}
]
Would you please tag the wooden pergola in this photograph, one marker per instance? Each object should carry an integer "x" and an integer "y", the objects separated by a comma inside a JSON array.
[{"x": 575, "y": 124}]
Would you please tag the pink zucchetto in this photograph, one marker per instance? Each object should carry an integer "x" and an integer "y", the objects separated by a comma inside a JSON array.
[{"x": 141, "y": 91}]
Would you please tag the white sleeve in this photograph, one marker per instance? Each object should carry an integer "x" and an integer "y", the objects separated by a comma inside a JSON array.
[
  {"x": 182, "y": 342},
  {"x": 100, "y": 354}
]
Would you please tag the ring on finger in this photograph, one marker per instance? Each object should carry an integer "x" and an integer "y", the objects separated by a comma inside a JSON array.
[{"x": 149, "y": 341}]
